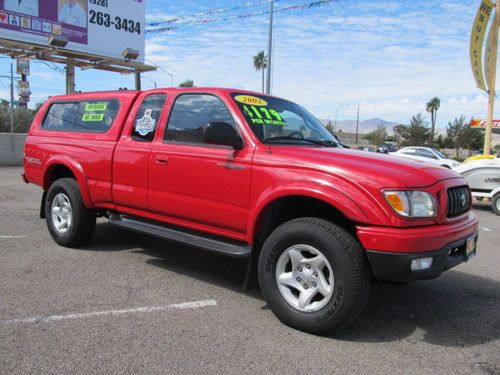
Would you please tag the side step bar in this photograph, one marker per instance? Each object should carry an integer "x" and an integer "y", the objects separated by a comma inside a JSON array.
[{"x": 191, "y": 238}]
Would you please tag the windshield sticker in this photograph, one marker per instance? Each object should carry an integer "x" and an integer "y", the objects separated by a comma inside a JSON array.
[
  {"x": 96, "y": 107},
  {"x": 92, "y": 117},
  {"x": 261, "y": 115},
  {"x": 248, "y": 99},
  {"x": 146, "y": 124}
]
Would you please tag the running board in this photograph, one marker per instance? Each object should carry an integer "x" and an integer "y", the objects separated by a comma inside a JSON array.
[{"x": 191, "y": 238}]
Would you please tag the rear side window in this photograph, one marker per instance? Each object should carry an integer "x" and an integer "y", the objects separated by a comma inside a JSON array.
[
  {"x": 191, "y": 114},
  {"x": 147, "y": 118},
  {"x": 89, "y": 116}
]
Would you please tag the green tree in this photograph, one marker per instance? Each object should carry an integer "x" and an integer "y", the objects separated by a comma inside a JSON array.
[
  {"x": 377, "y": 136},
  {"x": 455, "y": 133},
  {"x": 399, "y": 130},
  {"x": 432, "y": 107},
  {"x": 187, "y": 83},
  {"x": 415, "y": 134},
  {"x": 260, "y": 63},
  {"x": 472, "y": 138},
  {"x": 440, "y": 141},
  {"x": 22, "y": 119}
]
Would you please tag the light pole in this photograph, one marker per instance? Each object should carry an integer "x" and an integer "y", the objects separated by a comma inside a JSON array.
[
  {"x": 163, "y": 70},
  {"x": 336, "y": 111},
  {"x": 150, "y": 80},
  {"x": 269, "y": 49},
  {"x": 357, "y": 126}
]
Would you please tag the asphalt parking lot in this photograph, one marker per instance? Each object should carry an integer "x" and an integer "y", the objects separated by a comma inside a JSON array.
[{"x": 130, "y": 303}]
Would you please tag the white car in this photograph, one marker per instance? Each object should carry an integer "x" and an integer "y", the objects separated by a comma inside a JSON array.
[{"x": 426, "y": 154}]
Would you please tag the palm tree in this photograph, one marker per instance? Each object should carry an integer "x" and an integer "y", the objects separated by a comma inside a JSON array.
[
  {"x": 260, "y": 63},
  {"x": 432, "y": 107}
]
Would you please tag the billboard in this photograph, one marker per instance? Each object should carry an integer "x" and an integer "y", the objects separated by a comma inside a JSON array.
[{"x": 99, "y": 27}]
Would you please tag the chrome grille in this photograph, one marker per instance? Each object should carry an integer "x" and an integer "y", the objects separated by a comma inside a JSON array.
[{"x": 459, "y": 201}]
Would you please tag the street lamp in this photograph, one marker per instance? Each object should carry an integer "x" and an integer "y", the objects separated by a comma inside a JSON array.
[
  {"x": 149, "y": 79},
  {"x": 163, "y": 70},
  {"x": 336, "y": 111}
]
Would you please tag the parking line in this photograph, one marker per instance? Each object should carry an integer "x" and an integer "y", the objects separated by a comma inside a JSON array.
[
  {"x": 486, "y": 229},
  {"x": 5, "y": 237},
  {"x": 136, "y": 310}
]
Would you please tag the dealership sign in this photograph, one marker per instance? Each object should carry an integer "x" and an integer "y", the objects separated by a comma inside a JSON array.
[
  {"x": 482, "y": 123},
  {"x": 98, "y": 27}
]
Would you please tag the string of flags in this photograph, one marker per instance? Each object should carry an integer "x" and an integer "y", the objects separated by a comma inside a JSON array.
[
  {"x": 176, "y": 24},
  {"x": 208, "y": 12}
]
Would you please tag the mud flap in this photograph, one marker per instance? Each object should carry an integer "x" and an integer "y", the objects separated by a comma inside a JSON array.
[{"x": 42, "y": 205}]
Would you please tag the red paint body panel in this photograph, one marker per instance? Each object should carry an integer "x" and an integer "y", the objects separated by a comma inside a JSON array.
[{"x": 222, "y": 191}]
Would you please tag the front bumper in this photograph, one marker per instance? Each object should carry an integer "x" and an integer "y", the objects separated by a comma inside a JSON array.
[
  {"x": 416, "y": 239},
  {"x": 396, "y": 267}
]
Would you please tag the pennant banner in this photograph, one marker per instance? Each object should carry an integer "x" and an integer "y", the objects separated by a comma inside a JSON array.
[
  {"x": 310, "y": 5},
  {"x": 208, "y": 12}
]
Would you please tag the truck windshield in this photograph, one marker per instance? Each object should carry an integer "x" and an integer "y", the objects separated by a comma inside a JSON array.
[{"x": 279, "y": 121}]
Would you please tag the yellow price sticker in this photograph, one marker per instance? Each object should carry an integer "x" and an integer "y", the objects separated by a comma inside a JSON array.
[{"x": 252, "y": 100}]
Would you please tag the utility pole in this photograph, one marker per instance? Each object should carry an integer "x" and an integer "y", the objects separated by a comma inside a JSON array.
[
  {"x": 11, "y": 100},
  {"x": 137, "y": 80},
  {"x": 357, "y": 126},
  {"x": 270, "y": 49},
  {"x": 70, "y": 76},
  {"x": 493, "y": 44}
]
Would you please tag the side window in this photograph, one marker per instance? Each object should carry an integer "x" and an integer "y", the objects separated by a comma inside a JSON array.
[
  {"x": 147, "y": 118},
  {"x": 190, "y": 115},
  {"x": 409, "y": 151},
  {"x": 426, "y": 153},
  {"x": 89, "y": 116}
]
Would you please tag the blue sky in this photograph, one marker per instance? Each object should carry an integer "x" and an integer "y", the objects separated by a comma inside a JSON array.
[{"x": 388, "y": 56}]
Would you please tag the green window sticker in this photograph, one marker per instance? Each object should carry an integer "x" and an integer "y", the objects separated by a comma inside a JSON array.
[
  {"x": 263, "y": 115},
  {"x": 93, "y": 117},
  {"x": 96, "y": 106}
]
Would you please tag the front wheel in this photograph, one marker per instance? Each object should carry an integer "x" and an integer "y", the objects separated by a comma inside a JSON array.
[
  {"x": 70, "y": 223},
  {"x": 314, "y": 275},
  {"x": 496, "y": 204}
]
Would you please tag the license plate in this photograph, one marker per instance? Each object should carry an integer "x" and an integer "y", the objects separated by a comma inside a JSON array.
[{"x": 470, "y": 247}]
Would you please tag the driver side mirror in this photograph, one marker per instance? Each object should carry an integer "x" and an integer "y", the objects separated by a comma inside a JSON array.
[{"x": 221, "y": 133}]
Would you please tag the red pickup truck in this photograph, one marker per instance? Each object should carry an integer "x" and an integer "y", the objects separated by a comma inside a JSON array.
[{"x": 249, "y": 175}]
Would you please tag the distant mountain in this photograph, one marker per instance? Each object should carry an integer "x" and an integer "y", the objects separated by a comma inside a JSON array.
[{"x": 365, "y": 126}]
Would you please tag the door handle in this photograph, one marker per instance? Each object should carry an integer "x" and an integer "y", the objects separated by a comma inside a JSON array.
[{"x": 161, "y": 159}]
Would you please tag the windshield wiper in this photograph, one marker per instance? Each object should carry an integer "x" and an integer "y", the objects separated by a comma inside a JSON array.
[{"x": 323, "y": 142}]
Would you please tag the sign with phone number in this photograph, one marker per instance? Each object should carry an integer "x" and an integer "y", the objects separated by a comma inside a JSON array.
[
  {"x": 98, "y": 27},
  {"x": 115, "y": 25}
]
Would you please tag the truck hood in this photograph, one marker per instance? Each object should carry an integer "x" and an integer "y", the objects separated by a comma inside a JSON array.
[{"x": 364, "y": 168}]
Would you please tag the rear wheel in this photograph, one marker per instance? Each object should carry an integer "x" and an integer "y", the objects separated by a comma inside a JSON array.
[
  {"x": 496, "y": 204},
  {"x": 314, "y": 275},
  {"x": 70, "y": 223}
]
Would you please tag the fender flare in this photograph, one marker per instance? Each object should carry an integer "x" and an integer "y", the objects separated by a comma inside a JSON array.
[
  {"x": 328, "y": 194},
  {"x": 77, "y": 170}
]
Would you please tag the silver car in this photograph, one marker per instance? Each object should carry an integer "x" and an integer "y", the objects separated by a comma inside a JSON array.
[{"x": 426, "y": 154}]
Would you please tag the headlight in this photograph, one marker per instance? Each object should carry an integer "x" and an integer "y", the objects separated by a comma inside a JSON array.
[{"x": 411, "y": 203}]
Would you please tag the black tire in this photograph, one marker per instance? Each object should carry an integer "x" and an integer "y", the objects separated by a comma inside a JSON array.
[
  {"x": 83, "y": 219},
  {"x": 495, "y": 204},
  {"x": 352, "y": 278}
]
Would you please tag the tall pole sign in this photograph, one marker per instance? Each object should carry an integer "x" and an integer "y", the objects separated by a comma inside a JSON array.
[{"x": 476, "y": 48}]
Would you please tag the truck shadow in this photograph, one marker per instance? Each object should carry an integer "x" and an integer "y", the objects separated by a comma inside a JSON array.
[{"x": 456, "y": 310}]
